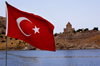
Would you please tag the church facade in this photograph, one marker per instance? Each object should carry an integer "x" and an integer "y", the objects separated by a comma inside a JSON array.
[{"x": 68, "y": 28}]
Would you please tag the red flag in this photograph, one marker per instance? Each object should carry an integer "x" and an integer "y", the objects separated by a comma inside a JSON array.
[{"x": 31, "y": 28}]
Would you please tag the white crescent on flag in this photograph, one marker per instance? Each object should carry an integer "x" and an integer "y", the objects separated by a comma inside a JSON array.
[{"x": 18, "y": 23}]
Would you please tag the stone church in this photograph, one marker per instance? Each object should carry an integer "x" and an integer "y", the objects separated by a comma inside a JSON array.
[{"x": 68, "y": 28}]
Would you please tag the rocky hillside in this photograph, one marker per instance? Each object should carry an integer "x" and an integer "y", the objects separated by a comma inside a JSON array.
[
  {"x": 12, "y": 43},
  {"x": 88, "y": 40}
]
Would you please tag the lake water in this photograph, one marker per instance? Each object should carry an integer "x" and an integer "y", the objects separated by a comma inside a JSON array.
[{"x": 48, "y": 58}]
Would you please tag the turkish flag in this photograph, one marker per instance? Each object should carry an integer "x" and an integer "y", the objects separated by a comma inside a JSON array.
[{"x": 30, "y": 28}]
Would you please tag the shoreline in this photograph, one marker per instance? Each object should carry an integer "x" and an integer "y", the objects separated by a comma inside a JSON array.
[{"x": 45, "y": 50}]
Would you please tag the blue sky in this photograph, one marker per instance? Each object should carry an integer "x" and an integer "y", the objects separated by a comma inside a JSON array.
[{"x": 80, "y": 13}]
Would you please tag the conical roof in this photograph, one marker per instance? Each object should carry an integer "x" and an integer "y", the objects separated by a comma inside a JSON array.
[{"x": 68, "y": 23}]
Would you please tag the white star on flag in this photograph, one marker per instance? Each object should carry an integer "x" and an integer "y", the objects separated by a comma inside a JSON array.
[{"x": 36, "y": 29}]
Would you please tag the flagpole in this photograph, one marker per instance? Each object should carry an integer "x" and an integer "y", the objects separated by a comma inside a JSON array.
[
  {"x": 6, "y": 50},
  {"x": 6, "y": 33}
]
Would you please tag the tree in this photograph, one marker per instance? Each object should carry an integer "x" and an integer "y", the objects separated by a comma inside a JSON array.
[
  {"x": 4, "y": 27},
  {"x": 74, "y": 31},
  {"x": 95, "y": 28},
  {"x": 79, "y": 30},
  {"x": 1, "y": 36},
  {"x": 3, "y": 32},
  {"x": 3, "y": 41},
  {"x": 10, "y": 38},
  {"x": 16, "y": 39},
  {"x": 86, "y": 29},
  {"x": 55, "y": 34}
]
